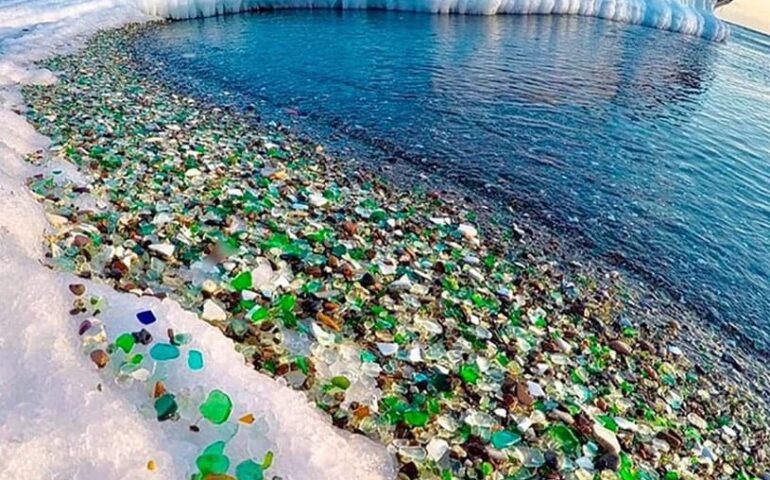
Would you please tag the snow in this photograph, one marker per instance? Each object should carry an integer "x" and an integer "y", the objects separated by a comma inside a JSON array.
[{"x": 59, "y": 416}]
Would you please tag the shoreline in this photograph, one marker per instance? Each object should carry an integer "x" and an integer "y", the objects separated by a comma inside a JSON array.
[
  {"x": 542, "y": 429},
  {"x": 654, "y": 296},
  {"x": 412, "y": 171}
]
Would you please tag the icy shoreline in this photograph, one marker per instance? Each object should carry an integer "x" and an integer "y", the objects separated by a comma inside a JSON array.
[
  {"x": 225, "y": 170},
  {"x": 46, "y": 374},
  {"x": 59, "y": 416}
]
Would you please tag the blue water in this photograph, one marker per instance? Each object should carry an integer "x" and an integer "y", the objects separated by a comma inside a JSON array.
[{"x": 650, "y": 148}]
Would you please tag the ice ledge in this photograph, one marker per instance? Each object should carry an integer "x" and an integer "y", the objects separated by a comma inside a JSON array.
[{"x": 693, "y": 17}]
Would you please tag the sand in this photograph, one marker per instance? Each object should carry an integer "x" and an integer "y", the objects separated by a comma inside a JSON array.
[{"x": 753, "y": 14}]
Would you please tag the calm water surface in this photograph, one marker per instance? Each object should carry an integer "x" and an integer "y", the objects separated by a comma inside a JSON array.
[{"x": 649, "y": 147}]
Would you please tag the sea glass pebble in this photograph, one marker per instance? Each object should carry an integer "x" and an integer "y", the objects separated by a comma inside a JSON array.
[
  {"x": 217, "y": 407},
  {"x": 248, "y": 470},
  {"x": 195, "y": 360},
  {"x": 125, "y": 342},
  {"x": 242, "y": 281},
  {"x": 213, "y": 461},
  {"x": 146, "y": 317},
  {"x": 212, "y": 464},
  {"x": 166, "y": 406},
  {"x": 505, "y": 439},
  {"x": 142, "y": 337},
  {"x": 164, "y": 351},
  {"x": 84, "y": 326}
]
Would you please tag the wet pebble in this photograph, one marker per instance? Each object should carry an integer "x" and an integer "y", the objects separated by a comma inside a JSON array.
[
  {"x": 606, "y": 439},
  {"x": 607, "y": 461},
  {"x": 620, "y": 347}
]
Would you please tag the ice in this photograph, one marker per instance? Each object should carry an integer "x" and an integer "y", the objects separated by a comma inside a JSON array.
[
  {"x": 59, "y": 418},
  {"x": 694, "y": 17}
]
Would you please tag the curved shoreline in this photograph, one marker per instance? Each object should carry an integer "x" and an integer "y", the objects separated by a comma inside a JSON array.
[
  {"x": 410, "y": 170},
  {"x": 607, "y": 328}
]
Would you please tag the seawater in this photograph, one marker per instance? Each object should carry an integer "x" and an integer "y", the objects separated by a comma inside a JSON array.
[{"x": 651, "y": 148}]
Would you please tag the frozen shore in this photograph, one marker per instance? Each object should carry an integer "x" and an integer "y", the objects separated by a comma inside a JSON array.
[
  {"x": 400, "y": 315},
  {"x": 110, "y": 429}
]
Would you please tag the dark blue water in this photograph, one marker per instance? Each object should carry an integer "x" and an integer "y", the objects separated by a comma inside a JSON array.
[{"x": 651, "y": 148}]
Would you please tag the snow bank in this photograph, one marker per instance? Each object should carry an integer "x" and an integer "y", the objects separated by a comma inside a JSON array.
[
  {"x": 694, "y": 17},
  {"x": 59, "y": 416}
]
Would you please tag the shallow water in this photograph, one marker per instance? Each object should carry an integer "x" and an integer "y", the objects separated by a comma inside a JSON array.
[{"x": 651, "y": 148}]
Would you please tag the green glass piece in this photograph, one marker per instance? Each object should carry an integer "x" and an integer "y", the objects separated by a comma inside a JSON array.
[
  {"x": 433, "y": 406},
  {"x": 165, "y": 407},
  {"x": 260, "y": 314},
  {"x": 164, "y": 351},
  {"x": 341, "y": 382},
  {"x": 416, "y": 418},
  {"x": 217, "y": 407},
  {"x": 182, "y": 339},
  {"x": 608, "y": 422},
  {"x": 626, "y": 474},
  {"x": 319, "y": 236},
  {"x": 626, "y": 471},
  {"x": 125, "y": 342},
  {"x": 312, "y": 286},
  {"x": 339, "y": 250},
  {"x": 242, "y": 282},
  {"x": 136, "y": 359},
  {"x": 504, "y": 439},
  {"x": 565, "y": 437},
  {"x": 216, "y": 448},
  {"x": 533, "y": 458},
  {"x": 248, "y": 470},
  {"x": 278, "y": 240},
  {"x": 287, "y": 302},
  {"x": 212, "y": 464},
  {"x": 195, "y": 360},
  {"x": 470, "y": 373},
  {"x": 267, "y": 462},
  {"x": 579, "y": 376},
  {"x": 671, "y": 475},
  {"x": 302, "y": 364},
  {"x": 367, "y": 356}
]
